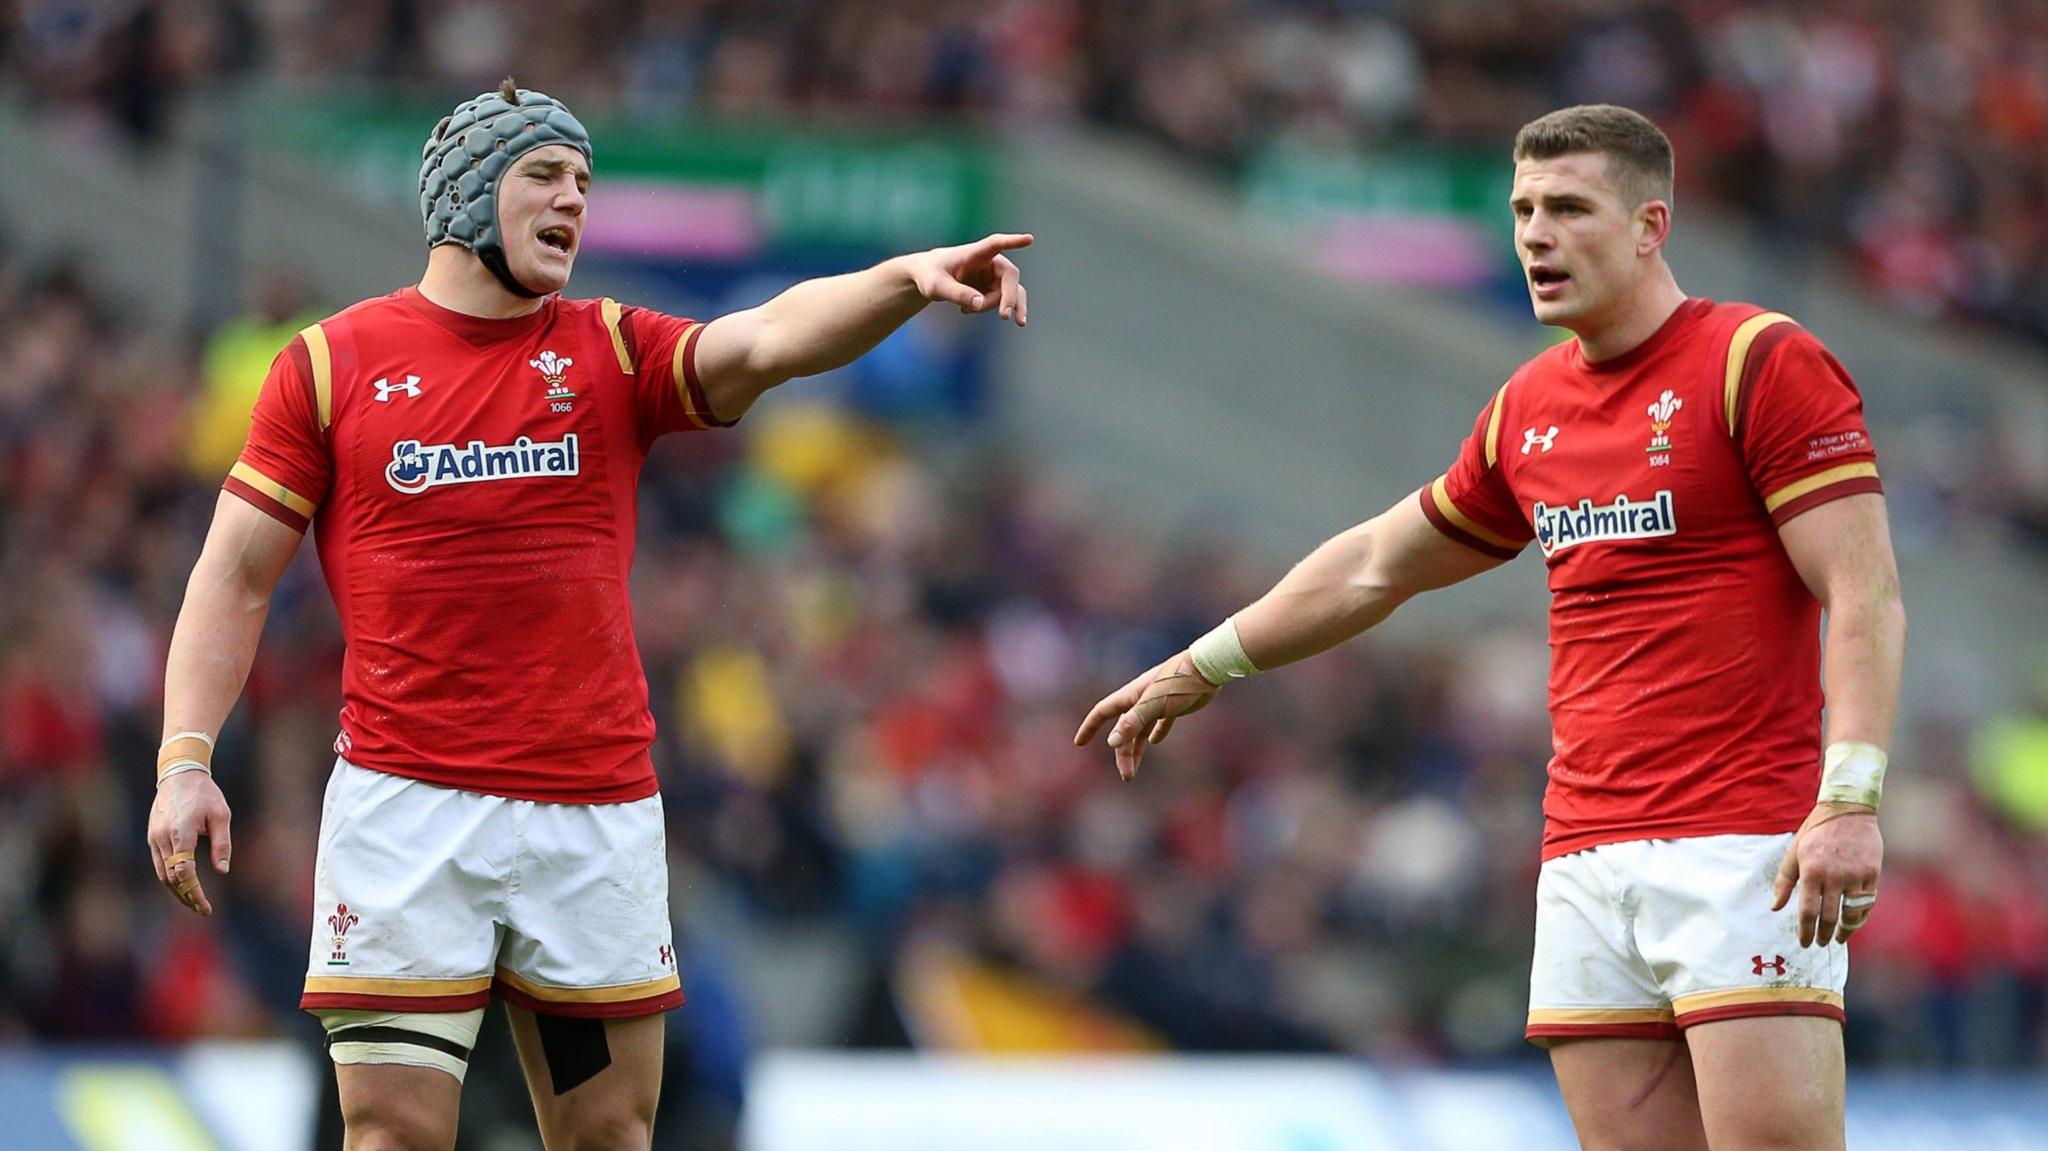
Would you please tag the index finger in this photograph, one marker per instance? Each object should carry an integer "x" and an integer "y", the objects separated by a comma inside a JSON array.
[
  {"x": 995, "y": 242},
  {"x": 1111, "y": 706}
]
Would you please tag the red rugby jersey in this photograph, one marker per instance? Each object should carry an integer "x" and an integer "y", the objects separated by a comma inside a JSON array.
[
  {"x": 471, "y": 487},
  {"x": 1685, "y": 693}
]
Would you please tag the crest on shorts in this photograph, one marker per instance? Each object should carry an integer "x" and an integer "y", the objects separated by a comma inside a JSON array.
[
  {"x": 1667, "y": 406},
  {"x": 339, "y": 923}
]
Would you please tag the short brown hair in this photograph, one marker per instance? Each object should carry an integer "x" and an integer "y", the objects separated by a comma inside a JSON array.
[{"x": 1638, "y": 153}]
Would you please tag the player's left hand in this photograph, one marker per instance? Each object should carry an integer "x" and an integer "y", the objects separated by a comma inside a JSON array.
[
  {"x": 975, "y": 276},
  {"x": 1834, "y": 864}
]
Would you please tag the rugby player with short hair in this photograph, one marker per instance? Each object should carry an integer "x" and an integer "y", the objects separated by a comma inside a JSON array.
[
  {"x": 466, "y": 452},
  {"x": 1699, "y": 481}
]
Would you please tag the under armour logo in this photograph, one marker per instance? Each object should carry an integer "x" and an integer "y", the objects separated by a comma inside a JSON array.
[
  {"x": 1777, "y": 964},
  {"x": 1530, "y": 439},
  {"x": 385, "y": 388},
  {"x": 668, "y": 958}
]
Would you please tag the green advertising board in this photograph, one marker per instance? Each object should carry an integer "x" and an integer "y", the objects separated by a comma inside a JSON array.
[
  {"x": 884, "y": 189},
  {"x": 1419, "y": 215}
]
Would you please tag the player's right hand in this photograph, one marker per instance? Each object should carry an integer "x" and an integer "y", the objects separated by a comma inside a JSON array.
[
  {"x": 188, "y": 807},
  {"x": 975, "y": 276},
  {"x": 1145, "y": 708}
]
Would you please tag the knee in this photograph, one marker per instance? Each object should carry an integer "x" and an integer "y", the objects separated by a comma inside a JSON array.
[
  {"x": 618, "y": 1131},
  {"x": 1645, "y": 1134},
  {"x": 1786, "y": 1127},
  {"x": 1646, "y": 1141},
  {"x": 396, "y": 1129},
  {"x": 375, "y": 1136},
  {"x": 1790, "y": 1135}
]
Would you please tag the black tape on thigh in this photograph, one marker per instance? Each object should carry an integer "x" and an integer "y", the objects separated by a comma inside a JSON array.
[
  {"x": 386, "y": 1034},
  {"x": 576, "y": 1049}
]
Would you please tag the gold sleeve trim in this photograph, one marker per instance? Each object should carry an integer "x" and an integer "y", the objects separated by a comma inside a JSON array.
[
  {"x": 323, "y": 371},
  {"x": 612, "y": 319},
  {"x": 681, "y": 368},
  {"x": 1817, "y": 481},
  {"x": 1464, "y": 523},
  {"x": 272, "y": 488},
  {"x": 1493, "y": 427},
  {"x": 1738, "y": 356}
]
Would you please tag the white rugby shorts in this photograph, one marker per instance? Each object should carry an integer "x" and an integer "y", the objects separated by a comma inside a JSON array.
[
  {"x": 428, "y": 898},
  {"x": 1647, "y": 937}
]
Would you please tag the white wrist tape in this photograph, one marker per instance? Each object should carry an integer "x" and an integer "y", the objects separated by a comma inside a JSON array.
[
  {"x": 182, "y": 752},
  {"x": 1219, "y": 656},
  {"x": 1852, "y": 772}
]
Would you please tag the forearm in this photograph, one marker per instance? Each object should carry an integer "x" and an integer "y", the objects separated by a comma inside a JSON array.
[
  {"x": 212, "y": 647},
  {"x": 1336, "y": 592},
  {"x": 1866, "y": 643},
  {"x": 827, "y": 323}
]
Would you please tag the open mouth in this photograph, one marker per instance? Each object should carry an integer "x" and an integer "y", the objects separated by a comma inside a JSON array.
[
  {"x": 1544, "y": 276},
  {"x": 557, "y": 237}
]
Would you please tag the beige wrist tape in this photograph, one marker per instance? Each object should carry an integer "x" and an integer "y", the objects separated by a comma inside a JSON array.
[
  {"x": 1852, "y": 772},
  {"x": 1219, "y": 656},
  {"x": 183, "y": 752}
]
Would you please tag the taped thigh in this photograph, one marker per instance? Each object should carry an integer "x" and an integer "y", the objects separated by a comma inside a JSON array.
[
  {"x": 441, "y": 1040},
  {"x": 575, "y": 1049}
]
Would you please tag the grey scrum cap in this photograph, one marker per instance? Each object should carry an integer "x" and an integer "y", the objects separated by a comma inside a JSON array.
[{"x": 466, "y": 155}]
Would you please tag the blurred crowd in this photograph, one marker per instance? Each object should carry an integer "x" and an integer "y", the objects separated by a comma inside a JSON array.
[
  {"x": 867, "y": 659},
  {"x": 1909, "y": 138},
  {"x": 867, "y": 655}
]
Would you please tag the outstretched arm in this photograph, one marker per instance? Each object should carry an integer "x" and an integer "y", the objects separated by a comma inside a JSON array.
[
  {"x": 1349, "y": 583},
  {"x": 212, "y": 646},
  {"x": 826, "y": 323}
]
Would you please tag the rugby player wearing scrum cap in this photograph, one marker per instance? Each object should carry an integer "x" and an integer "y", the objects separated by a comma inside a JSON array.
[{"x": 466, "y": 451}]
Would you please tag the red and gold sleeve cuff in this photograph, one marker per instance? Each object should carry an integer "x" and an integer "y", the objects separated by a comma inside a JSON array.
[
  {"x": 1810, "y": 492},
  {"x": 689, "y": 388},
  {"x": 1437, "y": 506},
  {"x": 270, "y": 497}
]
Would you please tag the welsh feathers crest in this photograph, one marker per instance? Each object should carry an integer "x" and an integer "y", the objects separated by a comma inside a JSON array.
[
  {"x": 339, "y": 923},
  {"x": 1667, "y": 405},
  {"x": 342, "y": 920},
  {"x": 553, "y": 368}
]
